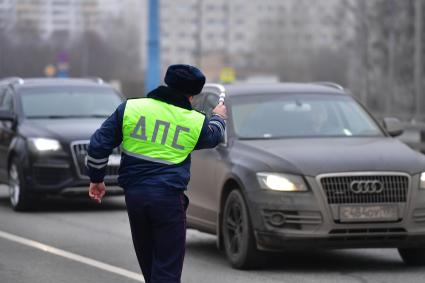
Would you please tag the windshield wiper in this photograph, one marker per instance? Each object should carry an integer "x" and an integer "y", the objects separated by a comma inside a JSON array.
[
  {"x": 94, "y": 116},
  {"x": 257, "y": 138},
  {"x": 48, "y": 117}
]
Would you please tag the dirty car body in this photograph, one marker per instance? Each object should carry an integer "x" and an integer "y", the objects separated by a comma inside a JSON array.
[{"x": 289, "y": 178}]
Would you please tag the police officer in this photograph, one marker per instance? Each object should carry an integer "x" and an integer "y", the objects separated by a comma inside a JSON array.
[{"x": 157, "y": 135}]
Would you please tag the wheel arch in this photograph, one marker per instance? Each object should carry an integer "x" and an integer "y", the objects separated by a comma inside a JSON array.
[
  {"x": 12, "y": 154},
  {"x": 17, "y": 149},
  {"x": 232, "y": 183}
]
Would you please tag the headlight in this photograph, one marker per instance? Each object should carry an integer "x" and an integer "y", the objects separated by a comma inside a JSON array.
[
  {"x": 281, "y": 182},
  {"x": 422, "y": 181},
  {"x": 42, "y": 144}
]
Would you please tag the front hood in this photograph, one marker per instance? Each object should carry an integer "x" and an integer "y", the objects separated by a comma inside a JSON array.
[
  {"x": 64, "y": 130},
  {"x": 331, "y": 155}
]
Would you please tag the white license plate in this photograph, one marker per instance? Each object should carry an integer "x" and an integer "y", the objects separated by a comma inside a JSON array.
[
  {"x": 114, "y": 160},
  {"x": 362, "y": 213}
]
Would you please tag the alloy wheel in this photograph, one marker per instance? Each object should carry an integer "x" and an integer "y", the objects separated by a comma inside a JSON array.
[
  {"x": 234, "y": 227},
  {"x": 238, "y": 237}
]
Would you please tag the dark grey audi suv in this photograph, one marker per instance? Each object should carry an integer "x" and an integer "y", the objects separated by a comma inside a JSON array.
[{"x": 305, "y": 166}]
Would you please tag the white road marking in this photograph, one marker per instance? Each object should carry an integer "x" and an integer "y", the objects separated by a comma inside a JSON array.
[{"x": 72, "y": 256}]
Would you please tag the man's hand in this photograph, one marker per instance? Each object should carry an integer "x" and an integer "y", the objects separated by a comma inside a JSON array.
[
  {"x": 97, "y": 191},
  {"x": 221, "y": 110}
]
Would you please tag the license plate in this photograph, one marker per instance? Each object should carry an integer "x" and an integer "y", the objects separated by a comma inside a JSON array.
[
  {"x": 114, "y": 160},
  {"x": 358, "y": 213}
]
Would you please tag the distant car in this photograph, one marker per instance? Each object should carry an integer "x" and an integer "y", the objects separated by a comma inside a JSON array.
[
  {"x": 305, "y": 166},
  {"x": 45, "y": 127}
]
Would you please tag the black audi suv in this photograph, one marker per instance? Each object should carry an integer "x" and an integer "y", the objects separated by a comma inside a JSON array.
[
  {"x": 45, "y": 127},
  {"x": 305, "y": 166}
]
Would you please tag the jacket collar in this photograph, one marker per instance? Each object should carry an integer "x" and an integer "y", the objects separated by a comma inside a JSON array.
[{"x": 168, "y": 95}]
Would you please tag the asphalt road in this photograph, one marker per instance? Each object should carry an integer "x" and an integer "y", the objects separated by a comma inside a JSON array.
[{"x": 101, "y": 233}]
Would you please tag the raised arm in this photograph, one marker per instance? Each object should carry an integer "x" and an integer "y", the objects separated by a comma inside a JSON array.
[{"x": 213, "y": 129}]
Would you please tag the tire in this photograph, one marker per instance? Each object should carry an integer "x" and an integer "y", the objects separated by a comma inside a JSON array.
[
  {"x": 413, "y": 256},
  {"x": 18, "y": 194},
  {"x": 238, "y": 237}
]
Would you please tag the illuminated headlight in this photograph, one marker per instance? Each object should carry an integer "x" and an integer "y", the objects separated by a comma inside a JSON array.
[
  {"x": 42, "y": 144},
  {"x": 422, "y": 181},
  {"x": 281, "y": 182}
]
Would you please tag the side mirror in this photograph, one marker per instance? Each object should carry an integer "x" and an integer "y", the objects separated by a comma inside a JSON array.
[{"x": 393, "y": 126}]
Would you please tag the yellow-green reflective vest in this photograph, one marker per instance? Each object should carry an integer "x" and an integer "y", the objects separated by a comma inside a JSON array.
[{"x": 157, "y": 131}]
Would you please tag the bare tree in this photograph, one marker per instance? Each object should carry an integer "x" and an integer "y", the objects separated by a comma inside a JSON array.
[{"x": 384, "y": 43}]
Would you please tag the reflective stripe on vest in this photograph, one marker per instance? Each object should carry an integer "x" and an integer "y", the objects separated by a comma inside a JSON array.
[{"x": 157, "y": 131}]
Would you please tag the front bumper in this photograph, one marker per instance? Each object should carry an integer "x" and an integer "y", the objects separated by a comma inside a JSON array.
[
  {"x": 284, "y": 221},
  {"x": 58, "y": 174}
]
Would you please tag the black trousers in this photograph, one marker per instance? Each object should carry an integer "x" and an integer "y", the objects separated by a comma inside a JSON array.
[{"x": 158, "y": 227}]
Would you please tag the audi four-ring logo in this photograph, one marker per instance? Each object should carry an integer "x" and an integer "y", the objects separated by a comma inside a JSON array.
[{"x": 366, "y": 187}]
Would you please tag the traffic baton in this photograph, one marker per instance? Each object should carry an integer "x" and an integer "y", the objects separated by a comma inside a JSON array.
[{"x": 222, "y": 96}]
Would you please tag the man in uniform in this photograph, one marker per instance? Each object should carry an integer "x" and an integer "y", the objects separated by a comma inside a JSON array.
[{"x": 157, "y": 135}]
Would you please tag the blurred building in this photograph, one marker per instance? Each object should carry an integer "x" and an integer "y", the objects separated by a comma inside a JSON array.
[
  {"x": 94, "y": 37},
  {"x": 216, "y": 33},
  {"x": 6, "y": 14},
  {"x": 47, "y": 17},
  {"x": 298, "y": 29},
  {"x": 210, "y": 33},
  {"x": 205, "y": 32}
]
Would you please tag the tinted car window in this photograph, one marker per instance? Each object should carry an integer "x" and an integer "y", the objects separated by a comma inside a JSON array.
[
  {"x": 2, "y": 94},
  {"x": 198, "y": 102},
  {"x": 301, "y": 115},
  {"x": 6, "y": 99},
  {"x": 210, "y": 103},
  {"x": 69, "y": 102}
]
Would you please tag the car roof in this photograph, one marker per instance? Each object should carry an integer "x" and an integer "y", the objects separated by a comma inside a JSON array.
[
  {"x": 51, "y": 82},
  {"x": 238, "y": 89}
]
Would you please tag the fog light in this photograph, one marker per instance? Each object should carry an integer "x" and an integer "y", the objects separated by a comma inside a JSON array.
[{"x": 277, "y": 219}]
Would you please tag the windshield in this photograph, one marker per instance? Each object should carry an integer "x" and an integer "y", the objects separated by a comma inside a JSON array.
[
  {"x": 69, "y": 102},
  {"x": 301, "y": 115}
]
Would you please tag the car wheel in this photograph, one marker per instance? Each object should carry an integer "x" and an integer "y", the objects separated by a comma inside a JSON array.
[
  {"x": 18, "y": 195},
  {"x": 413, "y": 256},
  {"x": 238, "y": 237}
]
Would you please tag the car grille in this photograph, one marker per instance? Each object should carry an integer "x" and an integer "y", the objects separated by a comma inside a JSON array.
[
  {"x": 79, "y": 151},
  {"x": 337, "y": 189}
]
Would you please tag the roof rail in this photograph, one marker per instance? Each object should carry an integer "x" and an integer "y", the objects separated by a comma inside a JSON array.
[
  {"x": 95, "y": 79},
  {"x": 11, "y": 80},
  {"x": 219, "y": 87},
  {"x": 330, "y": 84}
]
